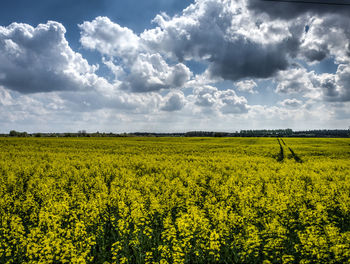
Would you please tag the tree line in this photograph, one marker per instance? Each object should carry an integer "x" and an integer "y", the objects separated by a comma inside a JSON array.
[{"x": 344, "y": 133}]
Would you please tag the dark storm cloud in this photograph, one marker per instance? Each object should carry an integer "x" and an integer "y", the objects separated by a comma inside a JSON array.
[
  {"x": 248, "y": 59},
  {"x": 316, "y": 54},
  {"x": 234, "y": 44},
  {"x": 288, "y": 10}
]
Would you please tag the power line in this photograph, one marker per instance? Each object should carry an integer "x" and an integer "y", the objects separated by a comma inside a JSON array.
[{"x": 309, "y": 2}]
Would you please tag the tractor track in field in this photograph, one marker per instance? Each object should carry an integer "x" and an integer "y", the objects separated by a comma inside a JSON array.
[
  {"x": 281, "y": 154},
  {"x": 283, "y": 142},
  {"x": 295, "y": 156}
]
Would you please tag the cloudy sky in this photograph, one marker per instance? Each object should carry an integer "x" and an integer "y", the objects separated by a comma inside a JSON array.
[{"x": 173, "y": 65}]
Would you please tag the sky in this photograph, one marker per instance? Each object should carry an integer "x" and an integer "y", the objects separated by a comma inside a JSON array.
[{"x": 173, "y": 65}]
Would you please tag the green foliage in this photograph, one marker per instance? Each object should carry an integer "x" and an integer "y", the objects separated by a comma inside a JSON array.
[
  {"x": 14, "y": 133},
  {"x": 174, "y": 200}
]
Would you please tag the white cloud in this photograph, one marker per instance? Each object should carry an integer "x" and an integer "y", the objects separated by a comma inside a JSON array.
[
  {"x": 326, "y": 36},
  {"x": 205, "y": 96},
  {"x": 336, "y": 87},
  {"x": 225, "y": 102},
  {"x": 246, "y": 86},
  {"x": 40, "y": 60},
  {"x": 150, "y": 73},
  {"x": 139, "y": 69},
  {"x": 233, "y": 104},
  {"x": 297, "y": 81},
  {"x": 326, "y": 86},
  {"x": 174, "y": 101},
  {"x": 109, "y": 38},
  {"x": 291, "y": 103}
]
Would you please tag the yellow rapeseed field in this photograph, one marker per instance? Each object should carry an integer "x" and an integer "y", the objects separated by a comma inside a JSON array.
[{"x": 174, "y": 200}]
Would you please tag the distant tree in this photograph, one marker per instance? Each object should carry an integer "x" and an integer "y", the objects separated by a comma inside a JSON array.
[
  {"x": 14, "y": 133},
  {"x": 82, "y": 133}
]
